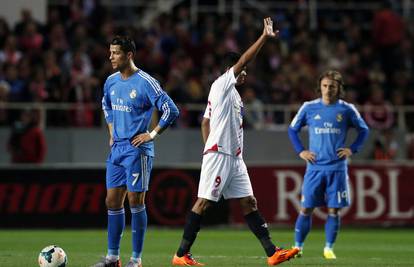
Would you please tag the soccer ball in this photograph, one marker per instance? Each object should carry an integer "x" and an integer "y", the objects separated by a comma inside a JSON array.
[{"x": 52, "y": 256}]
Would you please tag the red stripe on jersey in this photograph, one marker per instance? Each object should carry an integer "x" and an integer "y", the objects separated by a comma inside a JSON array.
[
  {"x": 211, "y": 149},
  {"x": 238, "y": 151}
]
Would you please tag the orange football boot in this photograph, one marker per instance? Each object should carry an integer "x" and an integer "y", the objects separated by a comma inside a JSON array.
[
  {"x": 282, "y": 255},
  {"x": 186, "y": 260}
]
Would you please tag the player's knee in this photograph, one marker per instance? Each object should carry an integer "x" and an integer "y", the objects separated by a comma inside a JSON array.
[
  {"x": 306, "y": 211},
  {"x": 333, "y": 211},
  {"x": 113, "y": 203},
  {"x": 201, "y": 205},
  {"x": 249, "y": 203},
  {"x": 136, "y": 198}
]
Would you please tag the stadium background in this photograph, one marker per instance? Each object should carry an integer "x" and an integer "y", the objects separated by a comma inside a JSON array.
[{"x": 54, "y": 59}]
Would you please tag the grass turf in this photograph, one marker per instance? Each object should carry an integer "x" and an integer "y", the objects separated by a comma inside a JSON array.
[{"x": 215, "y": 247}]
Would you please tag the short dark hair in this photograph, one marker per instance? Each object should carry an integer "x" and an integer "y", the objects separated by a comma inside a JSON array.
[
  {"x": 335, "y": 76},
  {"x": 126, "y": 44},
  {"x": 229, "y": 60}
]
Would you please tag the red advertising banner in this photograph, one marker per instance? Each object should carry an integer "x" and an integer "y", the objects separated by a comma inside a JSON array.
[{"x": 379, "y": 195}]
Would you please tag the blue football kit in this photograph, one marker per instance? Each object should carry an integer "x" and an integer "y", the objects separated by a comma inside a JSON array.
[
  {"x": 128, "y": 105},
  {"x": 326, "y": 180}
]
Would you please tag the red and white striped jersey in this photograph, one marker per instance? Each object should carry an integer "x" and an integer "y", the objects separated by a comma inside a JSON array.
[{"x": 225, "y": 111}]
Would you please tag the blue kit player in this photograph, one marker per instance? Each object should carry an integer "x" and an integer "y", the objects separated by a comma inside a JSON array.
[
  {"x": 326, "y": 179},
  {"x": 130, "y": 96}
]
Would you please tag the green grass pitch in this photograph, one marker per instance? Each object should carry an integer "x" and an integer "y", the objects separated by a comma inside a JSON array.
[{"x": 216, "y": 247}]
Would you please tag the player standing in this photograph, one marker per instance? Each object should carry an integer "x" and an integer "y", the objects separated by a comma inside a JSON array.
[
  {"x": 223, "y": 171},
  {"x": 326, "y": 179},
  {"x": 130, "y": 96}
]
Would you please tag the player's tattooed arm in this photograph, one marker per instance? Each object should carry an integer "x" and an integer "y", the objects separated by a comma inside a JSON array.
[{"x": 251, "y": 53}]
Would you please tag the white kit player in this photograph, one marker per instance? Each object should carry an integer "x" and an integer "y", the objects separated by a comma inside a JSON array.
[{"x": 223, "y": 171}]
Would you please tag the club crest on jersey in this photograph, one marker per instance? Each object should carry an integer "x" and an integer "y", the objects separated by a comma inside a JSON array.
[
  {"x": 133, "y": 94},
  {"x": 339, "y": 117}
]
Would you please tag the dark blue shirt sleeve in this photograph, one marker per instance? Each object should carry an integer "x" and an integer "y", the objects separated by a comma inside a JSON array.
[
  {"x": 163, "y": 103},
  {"x": 106, "y": 104},
  {"x": 297, "y": 123},
  {"x": 362, "y": 128},
  {"x": 294, "y": 138}
]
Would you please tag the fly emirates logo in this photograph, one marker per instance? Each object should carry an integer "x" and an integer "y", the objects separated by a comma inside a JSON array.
[
  {"x": 327, "y": 129},
  {"x": 119, "y": 106}
]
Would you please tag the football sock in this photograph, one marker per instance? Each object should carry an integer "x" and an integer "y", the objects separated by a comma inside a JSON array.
[
  {"x": 302, "y": 228},
  {"x": 116, "y": 225},
  {"x": 258, "y": 226},
  {"x": 331, "y": 229},
  {"x": 138, "y": 227},
  {"x": 192, "y": 227}
]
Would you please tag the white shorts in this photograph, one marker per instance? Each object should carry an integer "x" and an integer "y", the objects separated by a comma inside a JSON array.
[{"x": 225, "y": 175}]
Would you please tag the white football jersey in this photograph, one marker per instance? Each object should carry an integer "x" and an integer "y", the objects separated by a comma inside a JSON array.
[{"x": 225, "y": 111}]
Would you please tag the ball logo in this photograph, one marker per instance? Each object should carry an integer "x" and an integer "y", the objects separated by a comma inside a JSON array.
[
  {"x": 339, "y": 117},
  {"x": 133, "y": 94}
]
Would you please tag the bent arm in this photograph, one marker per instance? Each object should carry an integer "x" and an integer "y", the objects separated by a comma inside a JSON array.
[
  {"x": 360, "y": 139},
  {"x": 205, "y": 128},
  {"x": 294, "y": 138}
]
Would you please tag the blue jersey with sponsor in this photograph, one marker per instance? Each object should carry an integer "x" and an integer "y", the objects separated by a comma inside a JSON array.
[
  {"x": 327, "y": 127},
  {"x": 128, "y": 105}
]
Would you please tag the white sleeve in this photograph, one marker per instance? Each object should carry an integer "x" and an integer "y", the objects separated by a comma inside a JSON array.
[
  {"x": 225, "y": 82},
  {"x": 207, "y": 112}
]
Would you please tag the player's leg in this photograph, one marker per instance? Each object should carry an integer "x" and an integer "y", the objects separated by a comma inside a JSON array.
[
  {"x": 313, "y": 195},
  {"x": 213, "y": 177},
  {"x": 115, "y": 197},
  {"x": 331, "y": 231},
  {"x": 302, "y": 227},
  {"x": 257, "y": 224},
  {"x": 239, "y": 187},
  {"x": 192, "y": 226},
  {"x": 337, "y": 194},
  {"x": 138, "y": 175}
]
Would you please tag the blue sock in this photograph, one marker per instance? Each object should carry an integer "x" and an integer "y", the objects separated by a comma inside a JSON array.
[
  {"x": 331, "y": 229},
  {"x": 302, "y": 228},
  {"x": 139, "y": 227},
  {"x": 116, "y": 225}
]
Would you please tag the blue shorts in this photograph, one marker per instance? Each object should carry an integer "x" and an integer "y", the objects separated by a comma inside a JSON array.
[
  {"x": 325, "y": 189},
  {"x": 128, "y": 166}
]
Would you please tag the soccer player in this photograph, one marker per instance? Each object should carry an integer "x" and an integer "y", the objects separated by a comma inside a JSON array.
[
  {"x": 130, "y": 96},
  {"x": 223, "y": 171},
  {"x": 326, "y": 179}
]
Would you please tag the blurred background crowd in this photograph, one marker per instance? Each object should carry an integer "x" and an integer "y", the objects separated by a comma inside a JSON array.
[{"x": 65, "y": 60}]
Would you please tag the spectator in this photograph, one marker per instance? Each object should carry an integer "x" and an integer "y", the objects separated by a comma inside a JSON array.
[
  {"x": 10, "y": 54},
  {"x": 385, "y": 146},
  {"x": 27, "y": 143},
  {"x": 388, "y": 32},
  {"x": 378, "y": 112},
  {"x": 253, "y": 110},
  {"x": 4, "y": 97}
]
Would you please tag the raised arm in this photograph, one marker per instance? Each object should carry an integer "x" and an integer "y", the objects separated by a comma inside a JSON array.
[{"x": 252, "y": 51}]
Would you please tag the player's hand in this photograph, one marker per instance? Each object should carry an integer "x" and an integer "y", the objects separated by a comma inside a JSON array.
[
  {"x": 308, "y": 156},
  {"x": 344, "y": 152},
  {"x": 268, "y": 28},
  {"x": 111, "y": 141},
  {"x": 140, "y": 139}
]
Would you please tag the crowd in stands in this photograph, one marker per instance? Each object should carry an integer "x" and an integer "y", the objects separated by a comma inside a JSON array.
[{"x": 66, "y": 60}]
